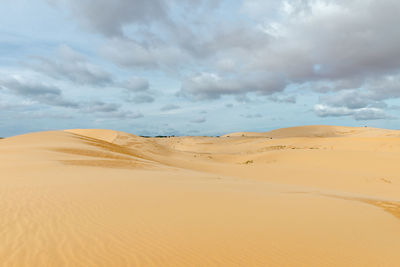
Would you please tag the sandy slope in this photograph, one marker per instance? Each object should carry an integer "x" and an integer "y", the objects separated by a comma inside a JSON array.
[{"x": 310, "y": 196}]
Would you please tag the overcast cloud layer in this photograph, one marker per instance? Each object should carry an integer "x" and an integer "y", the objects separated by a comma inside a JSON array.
[{"x": 157, "y": 67}]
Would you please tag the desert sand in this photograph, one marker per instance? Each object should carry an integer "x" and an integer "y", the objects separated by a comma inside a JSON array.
[{"x": 302, "y": 196}]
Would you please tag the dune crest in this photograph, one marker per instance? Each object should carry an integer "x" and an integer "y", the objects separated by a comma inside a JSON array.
[
  {"x": 321, "y": 131},
  {"x": 310, "y": 196},
  {"x": 105, "y": 135}
]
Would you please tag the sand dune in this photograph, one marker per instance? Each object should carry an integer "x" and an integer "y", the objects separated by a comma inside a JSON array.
[
  {"x": 302, "y": 196},
  {"x": 313, "y": 131}
]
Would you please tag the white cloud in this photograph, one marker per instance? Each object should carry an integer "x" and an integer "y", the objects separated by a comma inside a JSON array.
[{"x": 358, "y": 114}]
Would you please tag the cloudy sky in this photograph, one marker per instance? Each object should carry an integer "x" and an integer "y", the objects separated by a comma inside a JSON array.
[{"x": 198, "y": 67}]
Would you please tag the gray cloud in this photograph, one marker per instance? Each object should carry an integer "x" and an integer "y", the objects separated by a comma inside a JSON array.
[
  {"x": 361, "y": 103},
  {"x": 313, "y": 42},
  {"x": 351, "y": 99},
  {"x": 286, "y": 99},
  {"x": 109, "y": 17},
  {"x": 329, "y": 40},
  {"x": 143, "y": 45},
  {"x": 169, "y": 107},
  {"x": 99, "y": 106},
  {"x": 124, "y": 115},
  {"x": 243, "y": 98},
  {"x": 30, "y": 89},
  {"x": 109, "y": 110},
  {"x": 212, "y": 86},
  {"x": 138, "y": 56},
  {"x": 44, "y": 115},
  {"x": 52, "y": 96},
  {"x": 70, "y": 65},
  {"x": 370, "y": 114},
  {"x": 135, "y": 84},
  {"x": 39, "y": 92},
  {"x": 305, "y": 40},
  {"x": 253, "y": 116},
  {"x": 198, "y": 120},
  {"x": 20, "y": 106},
  {"x": 129, "y": 53},
  {"x": 139, "y": 99},
  {"x": 328, "y": 46}
]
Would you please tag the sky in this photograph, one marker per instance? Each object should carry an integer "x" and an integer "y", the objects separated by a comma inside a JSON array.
[{"x": 198, "y": 67}]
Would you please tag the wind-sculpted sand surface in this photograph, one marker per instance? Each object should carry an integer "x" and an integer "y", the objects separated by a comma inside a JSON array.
[{"x": 303, "y": 196}]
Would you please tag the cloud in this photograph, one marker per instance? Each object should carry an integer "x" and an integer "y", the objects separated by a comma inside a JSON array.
[
  {"x": 198, "y": 120},
  {"x": 287, "y": 99},
  {"x": 327, "y": 39},
  {"x": 357, "y": 114},
  {"x": 124, "y": 115},
  {"x": 351, "y": 99},
  {"x": 253, "y": 116},
  {"x": 212, "y": 86},
  {"x": 284, "y": 42},
  {"x": 67, "y": 64},
  {"x": 143, "y": 33},
  {"x": 139, "y": 56},
  {"x": 109, "y": 110},
  {"x": 139, "y": 99},
  {"x": 44, "y": 115},
  {"x": 39, "y": 92},
  {"x": 339, "y": 44},
  {"x": 371, "y": 114},
  {"x": 366, "y": 102},
  {"x": 99, "y": 106},
  {"x": 170, "y": 107},
  {"x": 135, "y": 84},
  {"x": 129, "y": 53},
  {"x": 109, "y": 17},
  {"x": 343, "y": 53},
  {"x": 52, "y": 96},
  {"x": 134, "y": 90},
  {"x": 327, "y": 111},
  {"x": 16, "y": 106}
]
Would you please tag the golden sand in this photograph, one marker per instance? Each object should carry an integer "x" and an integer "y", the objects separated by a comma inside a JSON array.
[{"x": 302, "y": 196}]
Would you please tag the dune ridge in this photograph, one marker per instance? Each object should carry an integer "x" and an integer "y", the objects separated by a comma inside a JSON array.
[
  {"x": 313, "y": 131},
  {"x": 300, "y": 196}
]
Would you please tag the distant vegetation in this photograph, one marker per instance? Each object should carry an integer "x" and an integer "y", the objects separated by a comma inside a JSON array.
[
  {"x": 168, "y": 136},
  {"x": 157, "y": 136}
]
